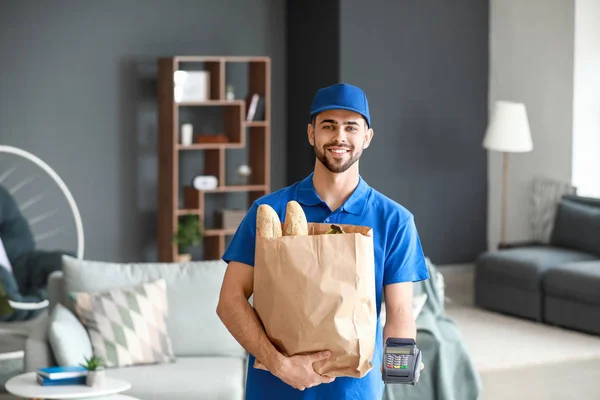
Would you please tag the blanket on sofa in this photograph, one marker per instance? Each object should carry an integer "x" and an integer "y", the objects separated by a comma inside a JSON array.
[
  {"x": 449, "y": 372},
  {"x": 24, "y": 278}
]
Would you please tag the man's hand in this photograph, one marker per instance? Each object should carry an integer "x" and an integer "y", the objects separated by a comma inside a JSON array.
[
  {"x": 298, "y": 371},
  {"x": 400, "y": 321}
]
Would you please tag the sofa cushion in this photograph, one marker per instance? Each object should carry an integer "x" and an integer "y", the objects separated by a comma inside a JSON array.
[
  {"x": 575, "y": 281},
  {"x": 523, "y": 267},
  {"x": 192, "y": 291},
  {"x": 577, "y": 225},
  {"x": 127, "y": 326},
  {"x": 215, "y": 378}
]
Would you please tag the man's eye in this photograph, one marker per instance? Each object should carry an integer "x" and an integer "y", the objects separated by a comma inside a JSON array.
[{"x": 328, "y": 127}]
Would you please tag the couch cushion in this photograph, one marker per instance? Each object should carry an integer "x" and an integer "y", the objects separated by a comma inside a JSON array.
[
  {"x": 127, "y": 326},
  {"x": 577, "y": 225},
  {"x": 523, "y": 267},
  {"x": 575, "y": 281},
  {"x": 193, "y": 293},
  {"x": 215, "y": 378}
]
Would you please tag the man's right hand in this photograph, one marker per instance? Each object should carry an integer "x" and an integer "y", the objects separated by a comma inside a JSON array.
[{"x": 298, "y": 371}]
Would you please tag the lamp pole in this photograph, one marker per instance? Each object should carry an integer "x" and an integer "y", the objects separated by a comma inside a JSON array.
[
  {"x": 507, "y": 132},
  {"x": 504, "y": 197}
]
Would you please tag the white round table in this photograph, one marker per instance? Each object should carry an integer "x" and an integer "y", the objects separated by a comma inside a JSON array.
[{"x": 25, "y": 385}]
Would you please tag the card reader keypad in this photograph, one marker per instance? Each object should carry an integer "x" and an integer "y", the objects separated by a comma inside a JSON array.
[{"x": 397, "y": 361}]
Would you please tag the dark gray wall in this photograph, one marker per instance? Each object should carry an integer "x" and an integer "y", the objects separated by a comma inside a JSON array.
[
  {"x": 424, "y": 67},
  {"x": 313, "y": 61},
  {"x": 77, "y": 89}
]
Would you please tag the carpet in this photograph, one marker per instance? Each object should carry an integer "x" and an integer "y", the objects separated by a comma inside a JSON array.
[
  {"x": 579, "y": 380},
  {"x": 520, "y": 359},
  {"x": 498, "y": 341}
]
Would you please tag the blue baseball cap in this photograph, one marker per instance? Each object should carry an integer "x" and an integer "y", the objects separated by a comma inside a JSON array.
[{"x": 341, "y": 96}]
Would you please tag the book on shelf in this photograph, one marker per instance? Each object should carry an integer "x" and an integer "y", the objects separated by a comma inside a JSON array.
[
  {"x": 72, "y": 371},
  {"x": 256, "y": 108}
]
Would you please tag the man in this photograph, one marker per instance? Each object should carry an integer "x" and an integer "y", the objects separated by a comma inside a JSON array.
[{"x": 339, "y": 131}]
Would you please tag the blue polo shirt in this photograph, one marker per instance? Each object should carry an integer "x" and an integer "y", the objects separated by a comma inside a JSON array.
[{"x": 398, "y": 258}]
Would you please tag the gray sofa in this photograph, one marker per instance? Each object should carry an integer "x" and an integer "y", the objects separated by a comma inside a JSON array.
[
  {"x": 209, "y": 363},
  {"x": 557, "y": 282}
]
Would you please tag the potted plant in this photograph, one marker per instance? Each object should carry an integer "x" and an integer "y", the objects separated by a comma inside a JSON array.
[
  {"x": 188, "y": 234},
  {"x": 95, "y": 368}
]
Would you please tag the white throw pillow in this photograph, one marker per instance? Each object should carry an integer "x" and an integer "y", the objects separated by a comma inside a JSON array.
[{"x": 68, "y": 337}]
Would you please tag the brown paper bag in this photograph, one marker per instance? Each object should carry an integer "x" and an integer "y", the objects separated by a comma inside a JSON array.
[{"x": 317, "y": 292}]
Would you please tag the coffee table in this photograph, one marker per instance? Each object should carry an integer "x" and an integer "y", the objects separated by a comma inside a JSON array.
[{"x": 25, "y": 385}]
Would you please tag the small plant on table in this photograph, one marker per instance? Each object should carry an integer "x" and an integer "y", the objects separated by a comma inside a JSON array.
[{"x": 95, "y": 367}]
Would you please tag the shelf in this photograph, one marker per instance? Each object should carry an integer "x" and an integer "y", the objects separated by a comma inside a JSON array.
[
  {"x": 256, "y": 123},
  {"x": 233, "y": 129},
  {"x": 210, "y": 146},
  {"x": 238, "y": 188},
  {"x": 212, "y": 103},
  {"x": 246, "y": 59},
  {"x": 224, "y": 59},
  {"x": 219, "y": 232},
  {"x": 249, "y": 140},
  {"x": 188, "y": 211},
  {"x": 194, "y": 199},
  {"x": 231, "y": 188},
  {"x": 198, "y": 59}
]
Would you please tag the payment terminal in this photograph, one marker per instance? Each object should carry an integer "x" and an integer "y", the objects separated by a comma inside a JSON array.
[{"x": 401, "y": 361}]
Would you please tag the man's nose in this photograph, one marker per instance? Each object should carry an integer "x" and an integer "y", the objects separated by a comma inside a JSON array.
[{"x": 340, "y": 135}]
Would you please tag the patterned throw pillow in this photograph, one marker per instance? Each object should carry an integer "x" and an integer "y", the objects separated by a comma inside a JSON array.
[{"x": 127, "y": 326}]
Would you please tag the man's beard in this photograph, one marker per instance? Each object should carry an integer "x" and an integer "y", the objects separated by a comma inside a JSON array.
[{"x": 336, "y": 166}]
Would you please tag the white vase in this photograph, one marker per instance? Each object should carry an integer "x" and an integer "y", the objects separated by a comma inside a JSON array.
[
  {"x": 187, "y": 134},
  {"x": 95, "y": 378}
]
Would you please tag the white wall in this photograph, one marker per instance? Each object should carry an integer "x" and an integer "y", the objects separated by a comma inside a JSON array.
[
  {"x": 586, "y": 101},
  {"x": 531, "y": 61}
]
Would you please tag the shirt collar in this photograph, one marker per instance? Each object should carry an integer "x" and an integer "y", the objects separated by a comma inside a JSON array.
[{"x": 355, "y": 204}]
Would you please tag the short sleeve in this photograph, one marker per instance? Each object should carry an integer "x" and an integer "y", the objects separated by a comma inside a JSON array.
[
  {"x": 242, "y": 246},
  {"x": 405, "y": 261}
]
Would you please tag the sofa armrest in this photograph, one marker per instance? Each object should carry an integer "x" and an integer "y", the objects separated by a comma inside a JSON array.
[{"x": 38, "y": 353}]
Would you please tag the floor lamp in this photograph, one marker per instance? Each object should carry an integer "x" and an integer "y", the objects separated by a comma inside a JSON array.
[{"x": 508, "y": 132}]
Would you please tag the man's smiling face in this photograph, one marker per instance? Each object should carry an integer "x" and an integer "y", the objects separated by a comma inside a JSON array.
[{"x": 339, "y": 138}]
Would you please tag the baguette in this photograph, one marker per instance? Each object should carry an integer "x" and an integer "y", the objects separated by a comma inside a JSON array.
[
  {"x": 268, "y": 224},
  {"x": 295, "y": 223}
]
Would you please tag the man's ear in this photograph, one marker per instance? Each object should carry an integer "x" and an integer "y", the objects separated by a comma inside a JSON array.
[
  {"x": 310, "y": 131},
  {"x": 368, "y": 138}
]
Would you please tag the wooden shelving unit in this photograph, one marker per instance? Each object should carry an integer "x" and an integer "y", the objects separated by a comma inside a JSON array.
[{"x": 253, "y": 135}]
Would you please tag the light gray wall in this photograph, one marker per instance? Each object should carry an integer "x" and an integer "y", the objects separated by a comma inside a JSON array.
[
  {"x": 77, "y": 89},
  {"x": 531, "y": 61},
  {"x": 424, "y": 67},
  {"x": 586, "y": 98}
]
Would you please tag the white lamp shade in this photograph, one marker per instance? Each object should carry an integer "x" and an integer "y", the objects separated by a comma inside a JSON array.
[{"x": 508, "y": 129}]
